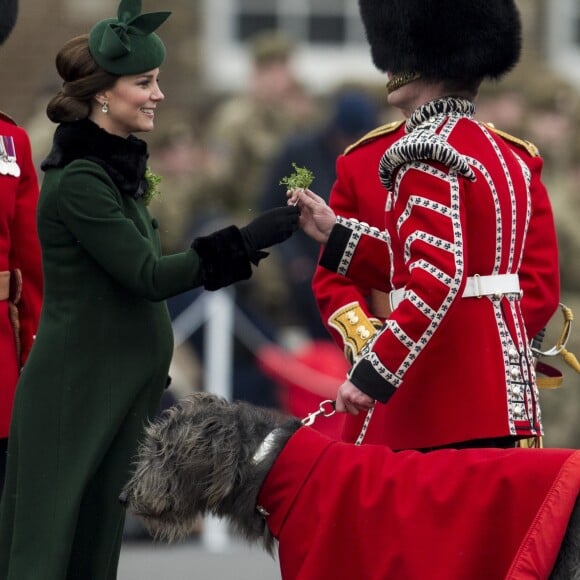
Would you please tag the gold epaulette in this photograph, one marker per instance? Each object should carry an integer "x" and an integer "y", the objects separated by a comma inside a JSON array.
[
  {"x": 354, "y": 326},
  {"x": 527, "y": 145},
  {"x": 7, "y": 118},
  {"x": 378, "y": 132}
]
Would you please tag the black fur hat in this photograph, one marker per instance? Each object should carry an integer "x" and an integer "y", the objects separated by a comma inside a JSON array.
[
  {"x": 8, "y": 14},
  {"x": 443, "y": 39}
]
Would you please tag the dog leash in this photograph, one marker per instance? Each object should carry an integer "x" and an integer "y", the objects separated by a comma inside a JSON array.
[
  {"x": 325, "y": 411},
  {"x": 365, "y": 426}
]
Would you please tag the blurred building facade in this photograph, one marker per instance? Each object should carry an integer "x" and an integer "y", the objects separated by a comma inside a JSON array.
[{"x": 208, "y": 52}]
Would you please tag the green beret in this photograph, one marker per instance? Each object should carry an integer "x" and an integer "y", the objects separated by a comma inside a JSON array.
[{"x": 127, "y": 45}]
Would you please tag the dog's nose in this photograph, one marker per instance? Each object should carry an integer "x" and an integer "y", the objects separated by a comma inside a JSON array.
[{"x": 124, "y": 498}]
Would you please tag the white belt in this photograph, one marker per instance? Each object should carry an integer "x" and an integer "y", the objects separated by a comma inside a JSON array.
[{"x": 476, "y": 286}]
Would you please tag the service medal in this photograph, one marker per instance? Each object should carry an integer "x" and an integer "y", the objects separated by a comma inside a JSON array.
[{"x": 8, "y": 163}]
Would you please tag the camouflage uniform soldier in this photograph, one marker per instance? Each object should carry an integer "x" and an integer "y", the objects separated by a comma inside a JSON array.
[{"x": 246, "y": 131}]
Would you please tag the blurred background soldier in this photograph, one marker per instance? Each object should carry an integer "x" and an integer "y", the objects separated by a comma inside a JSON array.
[
  {"x": 246, "y": 131},
  {"x": 352, "y": 113}
]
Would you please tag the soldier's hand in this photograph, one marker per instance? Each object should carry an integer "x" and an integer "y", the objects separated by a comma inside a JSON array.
[
  {"x": 351, "y": 400},
  {"x": 316, "y": 217}
]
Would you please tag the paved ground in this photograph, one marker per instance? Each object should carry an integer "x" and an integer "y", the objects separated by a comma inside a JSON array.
[{"x": 145, "y": 560}]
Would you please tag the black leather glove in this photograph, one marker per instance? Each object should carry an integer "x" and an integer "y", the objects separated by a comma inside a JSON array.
[{"x": 270, "y": 228}]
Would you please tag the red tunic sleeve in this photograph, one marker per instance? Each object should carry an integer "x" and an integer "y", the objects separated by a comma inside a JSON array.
[
  {"x": 334, "y": 292},
  {"x": 351, "y": 311}
]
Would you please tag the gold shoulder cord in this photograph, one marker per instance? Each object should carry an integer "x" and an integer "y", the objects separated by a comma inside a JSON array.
[
  {"x": 527, "y": 145},
  {"x": 378, "y": 132}
]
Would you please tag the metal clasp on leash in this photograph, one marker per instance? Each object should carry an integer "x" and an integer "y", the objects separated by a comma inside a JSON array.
[{"x": 323, "y": 410}]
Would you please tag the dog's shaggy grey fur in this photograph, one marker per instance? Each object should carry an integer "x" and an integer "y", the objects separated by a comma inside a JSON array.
[
  {"x": 196, "y": 459},
  {"x": 199, "y": 457}
]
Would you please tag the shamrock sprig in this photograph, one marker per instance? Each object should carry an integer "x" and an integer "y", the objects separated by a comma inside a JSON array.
[
  {"x": 301, "y": 178},
  {"x": 153, "y": 181}
]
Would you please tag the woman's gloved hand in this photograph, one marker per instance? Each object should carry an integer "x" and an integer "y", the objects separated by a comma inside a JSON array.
[
  {"x": 227, "y": 255},
  {"x": 270, "y": 228}
]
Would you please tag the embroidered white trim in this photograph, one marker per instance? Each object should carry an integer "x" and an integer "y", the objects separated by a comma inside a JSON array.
[
  {"x": 498, "y": 229},
  {"x": 365, "y": 426},
  {"x": 358, "y": 230},
  {"x": 511, "y": 190},
  {"x": 421, "y": 144},
  {"x": 417, "y": 201}
]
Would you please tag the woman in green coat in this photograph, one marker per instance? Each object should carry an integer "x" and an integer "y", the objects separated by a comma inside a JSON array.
[{"x": 100, "y": 361}]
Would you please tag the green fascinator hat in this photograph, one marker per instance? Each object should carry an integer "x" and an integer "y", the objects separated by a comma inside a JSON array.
[{"x": 128, "y": 45}]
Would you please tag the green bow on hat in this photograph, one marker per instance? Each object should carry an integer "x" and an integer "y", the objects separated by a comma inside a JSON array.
[{"x": 127, "y": 45}]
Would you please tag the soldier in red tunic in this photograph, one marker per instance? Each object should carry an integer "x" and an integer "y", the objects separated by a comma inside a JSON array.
[
  {"x": 468, "y": 249},
  {"x": 20, "y": 267}
]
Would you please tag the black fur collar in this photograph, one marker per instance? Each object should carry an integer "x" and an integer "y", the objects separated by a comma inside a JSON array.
[{"x": 125, "y": 160}]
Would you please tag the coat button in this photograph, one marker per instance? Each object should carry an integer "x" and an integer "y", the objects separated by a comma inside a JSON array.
[
  {"x": 363, "y": 332},
  {"x": 352, "y": 318}
]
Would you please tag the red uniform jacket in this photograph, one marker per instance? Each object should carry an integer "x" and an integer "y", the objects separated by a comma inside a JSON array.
[
  {"x": 19, "y": 251},
  {"x": 342, "y": 511},
  {"x": 347, "y": 309},
  {"x": 449, "y": 368}
]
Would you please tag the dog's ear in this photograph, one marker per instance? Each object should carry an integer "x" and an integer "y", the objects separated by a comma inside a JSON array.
[{"x": 222, "y": 437}]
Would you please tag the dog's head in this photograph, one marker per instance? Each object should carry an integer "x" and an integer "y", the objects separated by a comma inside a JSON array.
[{"x": 196, "y": 458}]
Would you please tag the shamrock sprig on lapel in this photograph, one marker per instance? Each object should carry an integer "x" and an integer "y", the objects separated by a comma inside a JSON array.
[{"x": 153, "y": 180}]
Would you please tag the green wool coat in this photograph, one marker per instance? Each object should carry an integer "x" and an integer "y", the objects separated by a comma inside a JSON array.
[{"x": 98, "y": 367}]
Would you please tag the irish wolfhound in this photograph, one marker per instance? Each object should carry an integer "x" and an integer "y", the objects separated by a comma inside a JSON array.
[{"x": 344, "y": 511}]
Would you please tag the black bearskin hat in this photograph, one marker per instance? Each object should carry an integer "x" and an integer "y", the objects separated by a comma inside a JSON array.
[
  {"x": 8, "y": 14},
  {"x": 443, "y": 39}
]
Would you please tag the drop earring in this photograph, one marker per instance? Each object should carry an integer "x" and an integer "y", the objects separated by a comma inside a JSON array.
[{"x": 105, "y": 107}]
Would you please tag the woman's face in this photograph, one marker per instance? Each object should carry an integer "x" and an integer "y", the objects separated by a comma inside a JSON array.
[{"x": 131, "y": 104}]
